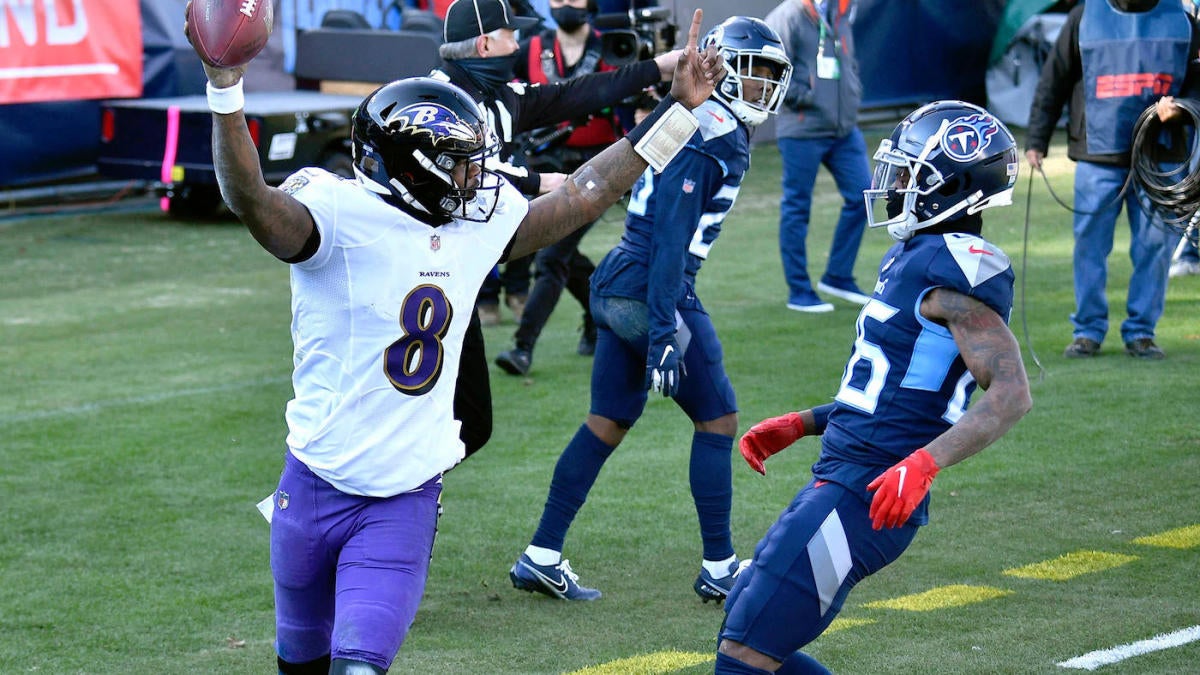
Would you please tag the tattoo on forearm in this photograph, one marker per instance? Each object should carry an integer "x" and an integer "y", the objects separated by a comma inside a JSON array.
[{"x": 278, "y": 223}]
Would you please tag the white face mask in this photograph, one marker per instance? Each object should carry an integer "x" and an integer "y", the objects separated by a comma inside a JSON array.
[{"x": 731, "y": 90}]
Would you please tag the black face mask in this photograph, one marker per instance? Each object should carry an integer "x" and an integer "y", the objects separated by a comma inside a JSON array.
[
  {"x": 569, "y": 18},
  {"x": 490, "y": 73}
]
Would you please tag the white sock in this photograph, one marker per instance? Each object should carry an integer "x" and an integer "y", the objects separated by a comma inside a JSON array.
[
  {"x": 717, "y": 569},
  {"x": 543, "y": 556}
]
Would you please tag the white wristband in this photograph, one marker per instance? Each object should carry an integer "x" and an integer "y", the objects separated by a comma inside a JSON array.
[
  {"x": 225, "y": 101},
  {"x": 667, "y": 137}
]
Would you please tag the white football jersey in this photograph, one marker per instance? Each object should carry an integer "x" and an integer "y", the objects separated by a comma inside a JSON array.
[{"x": 378, "y": 319}]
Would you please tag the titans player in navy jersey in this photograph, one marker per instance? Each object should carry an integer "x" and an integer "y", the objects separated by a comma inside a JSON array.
[
  {"x": 653, "y": 332},
  {"x": 934, "y": 329}
]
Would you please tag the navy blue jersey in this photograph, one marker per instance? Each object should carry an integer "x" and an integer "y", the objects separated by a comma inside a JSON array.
[
  {"x": 674, "y": 218},
  {"x": 905, "y": 382}
]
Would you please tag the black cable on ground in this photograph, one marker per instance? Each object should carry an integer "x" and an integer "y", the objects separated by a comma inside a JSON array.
[
  {"x": 1116, "y": 200},
  {"x": 1024, "y": 267}
]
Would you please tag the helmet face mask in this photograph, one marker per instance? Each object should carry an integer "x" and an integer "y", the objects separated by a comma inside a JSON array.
[
  {"x": 750, "y": 50},
  {"x": 422, "y": 144},
  {"x": 944, "y": 160}
]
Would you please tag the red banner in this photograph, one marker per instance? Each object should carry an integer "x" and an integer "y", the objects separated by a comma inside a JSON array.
[{"x": 59, "y": 50}]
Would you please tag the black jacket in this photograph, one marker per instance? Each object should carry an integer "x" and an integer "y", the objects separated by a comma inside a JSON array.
[
  {"x": 517, "y": 108},
  {"x": 1061, "y": 83}
]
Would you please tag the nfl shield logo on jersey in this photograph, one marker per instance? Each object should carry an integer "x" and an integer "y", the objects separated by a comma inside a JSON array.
[
  {"x": 688, "y": 186},
  {"x": 282, "y": 500},
  {"x": 435, "y": 242}
]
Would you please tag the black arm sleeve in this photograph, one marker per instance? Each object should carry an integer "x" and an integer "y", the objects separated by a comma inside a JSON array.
[
  {"x": 1060, "y": 73},
  {"x": 548, "y": 104},
  {"x": 473, "y": 391},
  {"x": 310, "y": 248}
]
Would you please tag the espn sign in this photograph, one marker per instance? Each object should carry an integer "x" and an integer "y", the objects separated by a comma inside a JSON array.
[
  {"x": 1133, "y": 84},
  {"x": 57, "y": 50}
]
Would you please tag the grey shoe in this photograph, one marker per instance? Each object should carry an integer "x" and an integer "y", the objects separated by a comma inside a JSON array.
[
  {"x": 1144, "y": 348},
  {"x": 1082, "y": 348},
  {"x": 516, "y": 361}
]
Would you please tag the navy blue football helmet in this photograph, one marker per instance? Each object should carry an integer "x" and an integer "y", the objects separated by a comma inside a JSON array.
[
  {"x": 408, "y": 137},
  {"x": 744, "y": 44},
  {"x": 945, "y": 159}
]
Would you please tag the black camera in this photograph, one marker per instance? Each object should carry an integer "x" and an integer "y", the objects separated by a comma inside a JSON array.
[{"x": 638, "y": 35}]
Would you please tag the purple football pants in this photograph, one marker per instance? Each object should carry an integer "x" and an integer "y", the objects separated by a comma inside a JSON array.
[{"x": 349, "y": 571}]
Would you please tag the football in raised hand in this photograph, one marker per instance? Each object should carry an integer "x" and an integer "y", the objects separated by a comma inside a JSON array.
[{"x": 228, "y": 33}]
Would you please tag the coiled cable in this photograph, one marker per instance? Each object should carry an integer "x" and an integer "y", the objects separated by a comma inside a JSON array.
[{"x": 1167, "y": 179}]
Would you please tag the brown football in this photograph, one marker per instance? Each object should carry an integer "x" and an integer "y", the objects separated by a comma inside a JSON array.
[{"x": 228, "y": 33}]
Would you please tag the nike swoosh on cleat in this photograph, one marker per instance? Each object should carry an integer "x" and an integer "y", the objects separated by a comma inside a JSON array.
[{"x": 559, "y": 586}]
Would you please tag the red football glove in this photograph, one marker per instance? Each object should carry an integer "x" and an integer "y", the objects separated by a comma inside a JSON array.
[
  {"x": 769, "y": 437},
  {"x": 901, "y": 488}
]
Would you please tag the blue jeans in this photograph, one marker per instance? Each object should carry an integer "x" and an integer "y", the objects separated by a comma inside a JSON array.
[
  {"x": 846, "y": 159},
  {"x": 1096, "y": 186}
]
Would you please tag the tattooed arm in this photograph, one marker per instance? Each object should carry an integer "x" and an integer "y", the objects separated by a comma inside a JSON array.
[
  {"x": 992, "y": 355},
  {"x": 583, "y": 198},
  {"x": 279, "y": 223}
]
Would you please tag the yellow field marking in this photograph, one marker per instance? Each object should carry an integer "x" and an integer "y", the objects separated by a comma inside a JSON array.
[
  {"x": 648, "y": 664},
  {"x": 1182, "y": 537},
  {"x": 941, "y": 598},
  {"x": 671, "y": 661},
  {"x": 1061, "y": 568},
  {"x": 1071, "y": 565},
  {"x": 843, "y": 624}
]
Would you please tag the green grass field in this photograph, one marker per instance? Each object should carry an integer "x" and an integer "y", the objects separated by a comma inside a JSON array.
[{"x": 146, "y": 365}]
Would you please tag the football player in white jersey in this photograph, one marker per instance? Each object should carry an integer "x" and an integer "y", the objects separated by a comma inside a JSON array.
[
  {"x": 384, "y": 273},
  {"x": 935, "y": 326}
]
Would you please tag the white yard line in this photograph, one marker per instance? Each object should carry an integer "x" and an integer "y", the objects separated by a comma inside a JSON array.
[{"x": 1104, "y": 657}]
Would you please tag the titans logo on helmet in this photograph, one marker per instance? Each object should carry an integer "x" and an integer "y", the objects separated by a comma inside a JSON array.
[
  {"x": 966, "y": 137},
  {"x": 442, "y": 124}
]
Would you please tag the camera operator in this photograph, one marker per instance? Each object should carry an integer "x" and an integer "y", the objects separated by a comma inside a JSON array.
[
  {"x": 573, "y": 49},
  {"x": 632, "y": 31}
]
